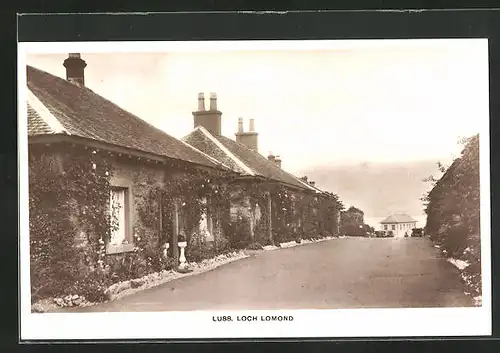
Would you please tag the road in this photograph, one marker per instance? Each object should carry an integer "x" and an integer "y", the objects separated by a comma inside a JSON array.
[{"x": 340, "y": 273}]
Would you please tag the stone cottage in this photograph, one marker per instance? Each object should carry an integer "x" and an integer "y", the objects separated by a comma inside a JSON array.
[
  {"x": 67, "y": 124},
  {"x": 242, "y": 156}
]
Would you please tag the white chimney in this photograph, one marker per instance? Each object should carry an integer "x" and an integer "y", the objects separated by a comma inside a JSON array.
[
  {"x": 240, "y": 124},
  {"x": 213, "y": 101},
  {"x": 249, "y": 138},
  {"x": 201, "y": 102},
  {"x": 252, "y": 125},
  {"x": 277, "y": 161}
]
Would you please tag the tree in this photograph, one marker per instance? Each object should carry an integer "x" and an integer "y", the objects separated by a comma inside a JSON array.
[
  {"x": 352, "y": 221},
  {"x": 453, "y": 209}
]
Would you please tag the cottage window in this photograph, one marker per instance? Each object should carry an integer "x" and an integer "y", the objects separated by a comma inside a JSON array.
[
  {"x": 393, "y": 227},
  {"x": 121, "y": 237},
  {"x": 385, "y": 227}
]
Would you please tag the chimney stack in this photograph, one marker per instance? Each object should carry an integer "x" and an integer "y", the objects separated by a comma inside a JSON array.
[
  {"x": 213, "y": 101},
  {"x": 250, "y": 138},
  {"x": 209, "y": 119},
  {"x": 277, "y": 160},
  {"x": 251, "y": 125},
  {"x": 75, "y": 69},
  {"x": 201, "y": 102},
  {"x": 304, "y": 178},
  {"x": 312, "y": 183},
  {"x": 240, "y": 124}
]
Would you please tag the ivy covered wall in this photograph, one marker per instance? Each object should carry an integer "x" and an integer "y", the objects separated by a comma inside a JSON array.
[
  {"x": 72, "y": 221},
  {"x": 69, "y": 223}
]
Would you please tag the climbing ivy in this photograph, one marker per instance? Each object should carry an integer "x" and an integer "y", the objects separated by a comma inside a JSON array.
[
  {"x": 195, "y": 191},
  {"x": 68, "y": 196},
  {"x": 70, "y": 220}
]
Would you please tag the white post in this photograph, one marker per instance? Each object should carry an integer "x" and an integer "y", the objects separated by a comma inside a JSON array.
[{"x": 182, "y": 257}]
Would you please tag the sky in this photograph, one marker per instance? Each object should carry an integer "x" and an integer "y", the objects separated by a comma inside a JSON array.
[{"x": 313, "y": 107}]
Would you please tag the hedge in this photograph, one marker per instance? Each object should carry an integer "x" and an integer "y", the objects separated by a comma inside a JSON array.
[{"x": 453, "y": 211}]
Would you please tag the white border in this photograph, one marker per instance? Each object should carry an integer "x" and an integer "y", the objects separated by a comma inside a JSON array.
[
  {"x": 199, "y": 324},
  {"x": 260, "y": 45}
]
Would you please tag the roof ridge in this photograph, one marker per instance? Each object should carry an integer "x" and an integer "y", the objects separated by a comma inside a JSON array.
[
  {"x": 225, "y": 150},
  {"x": 51, "y": 89},
  {"x": 264, "y": 158},
  {"x": 45, "y": 114},
  {"x": 317, "y": 190},
  {"x": 242, "y": 145},
  {"x": 392, "y": 218},
  {"x": 86, "y": 88}
]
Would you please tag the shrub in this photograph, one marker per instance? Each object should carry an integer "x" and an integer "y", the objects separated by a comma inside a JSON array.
[
  {"x": 199, "y": 253},
  {"x": 221, "y": 245},
  {"x": 238, "y": 232},
  {"x": 255, "y": 246},
  {"x": 298, "y": 234},
  {"x": 281, "y": 237},
  {"x": 92, "y": 287},
  {"x": 326, "y": 234},
  {"x": 265, "y": 242}
]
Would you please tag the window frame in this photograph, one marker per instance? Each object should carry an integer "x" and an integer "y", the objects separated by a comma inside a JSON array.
[{"x": 123, "y": 184}]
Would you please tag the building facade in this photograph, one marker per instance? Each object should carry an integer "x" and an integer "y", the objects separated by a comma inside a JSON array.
[
  {"x": 242, "y": 156},
  {"x": 401, "y": 225},
  {"x": 98, "y": 178}
]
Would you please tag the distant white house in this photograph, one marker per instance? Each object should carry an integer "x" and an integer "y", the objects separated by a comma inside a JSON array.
[{"x": 400, "y": 224}]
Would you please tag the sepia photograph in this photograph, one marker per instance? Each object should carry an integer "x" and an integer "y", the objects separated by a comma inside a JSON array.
[{"x": 249, "y": 186}]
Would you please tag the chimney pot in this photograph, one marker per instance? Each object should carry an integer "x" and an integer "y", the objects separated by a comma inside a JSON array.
[
  {"x": 271, "y": 157},
  {"x": 252, "y": 125},
  {"x": 213, "y": 101},
  {"x": 312, "y": 183},
  {"x": 278, "y": 161},
  {"x": 240, "y": 124},
  {"x": 201, "y": 102},
  {"x": 304, "y": 178}
]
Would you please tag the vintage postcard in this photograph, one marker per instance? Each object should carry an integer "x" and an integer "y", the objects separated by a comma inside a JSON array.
[{"x": 254, "y": 189}]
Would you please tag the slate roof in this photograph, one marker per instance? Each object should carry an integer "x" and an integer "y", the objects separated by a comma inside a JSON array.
[
  {"x": 240, "y": 158},
  {"x": 398, "y": 218},
  {"x": 36, "y": 125},
  {"x": 83, "y": 113},
  {"x": 201, "y": 141}
]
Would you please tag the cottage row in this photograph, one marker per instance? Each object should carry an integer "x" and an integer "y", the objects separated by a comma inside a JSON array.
[{"x": 66, "y": 120}]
